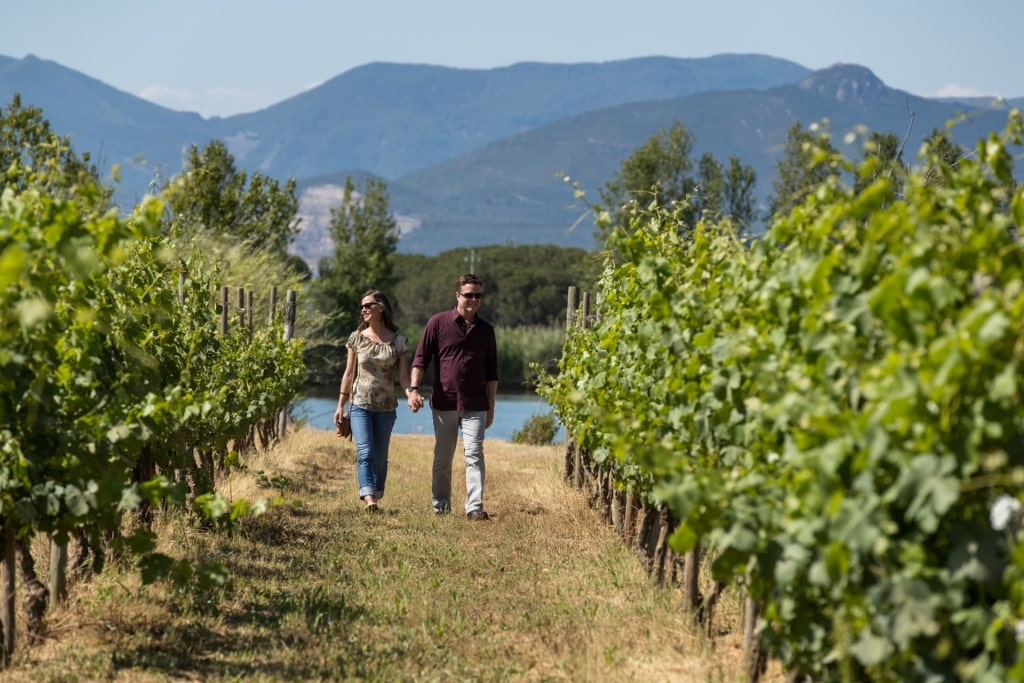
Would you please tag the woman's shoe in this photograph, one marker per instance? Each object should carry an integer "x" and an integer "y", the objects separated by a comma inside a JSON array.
[{"x": 371, "y": 504}]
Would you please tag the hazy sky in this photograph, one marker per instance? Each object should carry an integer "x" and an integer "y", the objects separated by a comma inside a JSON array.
[{"x": 222, "y": 57}]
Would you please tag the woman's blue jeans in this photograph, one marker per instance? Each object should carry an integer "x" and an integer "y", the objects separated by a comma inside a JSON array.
[{"x": 371, "y": 433}]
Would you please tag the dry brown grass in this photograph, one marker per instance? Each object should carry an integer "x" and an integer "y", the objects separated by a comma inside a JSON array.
[{"x": 321, "y": 591}]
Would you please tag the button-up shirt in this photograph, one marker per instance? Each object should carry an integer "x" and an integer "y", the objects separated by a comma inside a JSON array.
[{"x": 464, "y": 357}]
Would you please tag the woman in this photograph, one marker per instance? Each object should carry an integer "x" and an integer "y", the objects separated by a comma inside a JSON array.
[{"x": 376, "y": 352}]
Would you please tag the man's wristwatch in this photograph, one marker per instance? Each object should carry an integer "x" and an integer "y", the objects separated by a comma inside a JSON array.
[{"x": 408, "y": 389}]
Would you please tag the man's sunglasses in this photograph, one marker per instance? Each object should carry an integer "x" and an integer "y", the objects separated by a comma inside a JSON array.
[{"x": 472, "y": 295}]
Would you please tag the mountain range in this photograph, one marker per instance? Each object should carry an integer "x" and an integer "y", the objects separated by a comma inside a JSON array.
[{"x": 476, "y": 157}]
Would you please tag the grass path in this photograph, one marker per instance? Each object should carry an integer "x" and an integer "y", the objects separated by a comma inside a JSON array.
[{"x": 322, "y": 591}]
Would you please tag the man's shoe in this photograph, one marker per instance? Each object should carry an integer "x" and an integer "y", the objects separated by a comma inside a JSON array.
[{"x": 477, "y": 516}]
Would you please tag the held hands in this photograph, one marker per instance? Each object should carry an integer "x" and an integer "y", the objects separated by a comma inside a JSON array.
[{"x": 415, "y": 400}]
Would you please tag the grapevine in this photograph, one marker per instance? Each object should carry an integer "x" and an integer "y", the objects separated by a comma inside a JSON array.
[{"x": 832, "y": 409}]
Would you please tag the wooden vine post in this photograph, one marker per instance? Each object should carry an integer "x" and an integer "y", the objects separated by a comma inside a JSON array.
[
  {"x": 691, "y": 589},
  {"x": 241, "y": 306},
  {"x": 223, "y": 310},
  {"x": 570, "y": 442},
  {"x": 578, "y": 463},
  {"x": 289, "y": 331},
  {"x": 58, "y": 583},
  {"x": 756, "y": 658},
  {"x": 7, "y": 583}
]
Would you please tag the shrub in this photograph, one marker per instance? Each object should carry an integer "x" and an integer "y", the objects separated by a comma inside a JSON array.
[{"x": 538, "y": 430}]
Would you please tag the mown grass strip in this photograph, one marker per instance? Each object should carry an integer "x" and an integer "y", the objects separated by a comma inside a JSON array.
[{"x": 321, "y": 590}]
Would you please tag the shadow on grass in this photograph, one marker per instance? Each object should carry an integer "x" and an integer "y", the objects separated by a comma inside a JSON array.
[{"x": 272, "y": 621}]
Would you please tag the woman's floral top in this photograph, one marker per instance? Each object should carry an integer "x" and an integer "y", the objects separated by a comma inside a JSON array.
[{"x": 377, "y": 370}]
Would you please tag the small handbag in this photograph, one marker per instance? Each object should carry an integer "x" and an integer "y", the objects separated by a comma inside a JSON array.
[{"x": 343, "y": 427}]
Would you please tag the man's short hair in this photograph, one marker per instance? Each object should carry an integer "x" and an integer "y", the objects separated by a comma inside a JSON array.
[{"x": 469, "y": 279}]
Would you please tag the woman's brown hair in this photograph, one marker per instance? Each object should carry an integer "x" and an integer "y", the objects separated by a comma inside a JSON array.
[{"x": 387, "y": 316}]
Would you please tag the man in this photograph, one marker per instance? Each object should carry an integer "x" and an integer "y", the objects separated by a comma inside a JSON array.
[{"x": 462, "y": 347}]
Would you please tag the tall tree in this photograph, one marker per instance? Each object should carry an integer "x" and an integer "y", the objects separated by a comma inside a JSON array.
[
  {"x": 738, "y": 193},
  {"x": 365, "y": 237},
  {"x": 711, "y": 180},
  {"x": 807, "y": 161},
  {"x": 213, "y": 197},
  {"x": 33, "y": 155},
  {"x": 884, "y": 156},
  {"x": 243, "y": 224},
  {"x": 657, "y": 172},
  {"x": 939, "y": 151},
  {"x": 725, "y": 191},
  {"x": 942, "y": 155}
]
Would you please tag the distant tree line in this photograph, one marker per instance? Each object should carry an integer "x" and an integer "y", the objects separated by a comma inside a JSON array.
[{"x": 524, "y": 285}]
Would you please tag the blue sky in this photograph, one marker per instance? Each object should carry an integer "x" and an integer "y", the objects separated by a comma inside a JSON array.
[{"x": 222, "y": 57}]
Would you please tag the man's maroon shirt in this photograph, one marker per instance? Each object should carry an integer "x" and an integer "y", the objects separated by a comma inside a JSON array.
[{"x": 464, "y": 357}]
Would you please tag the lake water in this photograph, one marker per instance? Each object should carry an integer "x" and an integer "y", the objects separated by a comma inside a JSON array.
[{"x": 511, "y": 411}]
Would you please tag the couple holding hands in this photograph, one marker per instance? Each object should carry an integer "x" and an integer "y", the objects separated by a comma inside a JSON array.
[{"x": 462, "y": 349}]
